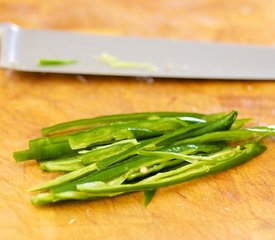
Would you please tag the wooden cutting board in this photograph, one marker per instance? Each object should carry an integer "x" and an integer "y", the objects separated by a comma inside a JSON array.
[{"x": 236, "y": 204}]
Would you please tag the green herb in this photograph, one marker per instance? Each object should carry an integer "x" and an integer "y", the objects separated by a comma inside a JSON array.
[
  {"x": 117, "y": 154},
  {"x": 55, "y": 62}
]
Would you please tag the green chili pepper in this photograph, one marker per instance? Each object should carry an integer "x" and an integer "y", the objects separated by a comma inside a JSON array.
[
  {"x": 112, "y": 155},
  {"x": 96, "y": 189},
  {"x": 81, "y": 124},
  {"x": 188, "y": 131},
  {"x": 231, "y": 135},
  {"x": 86, "y": 157},
  {"x": 181, "y": 174},
  {"x": 130, "y": 130}
]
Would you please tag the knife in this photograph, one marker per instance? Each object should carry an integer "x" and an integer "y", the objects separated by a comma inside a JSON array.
[{"x": 21, "y": 49}]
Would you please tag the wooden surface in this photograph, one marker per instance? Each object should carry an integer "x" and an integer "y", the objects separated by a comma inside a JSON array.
[{"x": 236, "y": 204}]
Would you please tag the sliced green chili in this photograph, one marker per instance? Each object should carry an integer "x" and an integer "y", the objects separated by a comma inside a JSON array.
[
  {"x": 88, "y": 123},
  {"x": 112, "y": 155},
  {"x": 182, "y": 174}
]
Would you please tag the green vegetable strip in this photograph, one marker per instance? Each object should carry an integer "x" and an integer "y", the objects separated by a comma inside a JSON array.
[
  {"x": 230, "y": 135},
  {"x": 54, "y": 151},
  {"x": 144, "y": 145},
  {"x": 148, "y": 195},
  {"x": 243, "y": 154},
  {"x": 99, "y": 154},
  {"x": 46, "y": 198},
  {"x": 111, "y": 155},
  {"x": 92, "y": 156},
  {"x": 42, "y": 199},
  {"x": 263, "y": 129},
  {"x": 180, "y": 175},
  {"x": 187, "y": 158},
  {"x": 67, "y": 177},
  {"x": 160, "y": 163},
  {"x": 134, "y": 164},
  {"x": 108, "y": 174},
  {"x": 238, "y": 123},
  {"x": 45, "y": 148},
  {"x": 137, "y": 129},
  {"x": 223, "y": 123},
  {"x": 81, "y": 124},
  {"x": 125, "y": 168},
  {"x": 55, "y": 62},
  {"x": 45, "y": 152},
  {"x": 193, "y": 148},
  {"x": 40, "y": 149},
  {"x": 23, "y": 155},
  {"x": 54, "y": 147},
  {"x": 62, "y": 165},
  {"x": 189, "y": 131}
]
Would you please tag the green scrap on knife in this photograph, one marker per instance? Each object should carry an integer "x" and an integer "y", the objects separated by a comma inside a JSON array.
[
  {"x": 111, "y": 155},
  {"x": 55, "y": 62},
  {"x": 117, "y": 63}
]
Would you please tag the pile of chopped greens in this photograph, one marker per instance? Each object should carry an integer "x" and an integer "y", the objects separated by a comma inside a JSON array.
[{"x": 117, "y": 154}]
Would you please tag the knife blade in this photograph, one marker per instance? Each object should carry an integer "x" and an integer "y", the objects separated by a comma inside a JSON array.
[{"x": 21, "y": 48}]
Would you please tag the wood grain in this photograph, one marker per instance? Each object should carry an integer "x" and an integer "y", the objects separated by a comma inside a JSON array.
[{"x": 236, "y": 204}]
